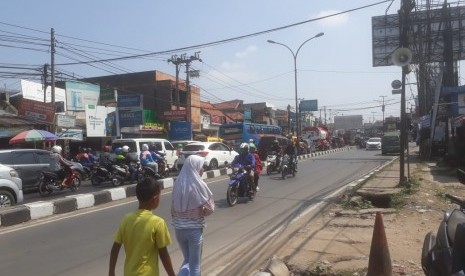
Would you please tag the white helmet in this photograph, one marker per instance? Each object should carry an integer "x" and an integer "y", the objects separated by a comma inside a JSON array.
[
  {"x": 125, "y": 149},
  {"x": 56, "y": 149},
  {"x": 244, "y": 145},
  {"x": 145, "y": 147}
]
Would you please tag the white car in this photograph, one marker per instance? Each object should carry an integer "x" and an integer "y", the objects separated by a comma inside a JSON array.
[
  {"x": 11, "y": 187},
  {"x": 374, "y": 143},
  {"x": 216, "y": 154}
]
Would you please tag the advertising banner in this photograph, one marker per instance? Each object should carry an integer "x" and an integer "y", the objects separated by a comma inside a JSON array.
[
  {"x": 175, "y": 114},
  {"x": 80, "y": 94},
  {"x": 96, "y": 125},
  {"x": 34, "y": 91},
  {"x": 71, "y": 134},
  {"x": 38, "y": 111},
  {"x": 181, "y": 131}
]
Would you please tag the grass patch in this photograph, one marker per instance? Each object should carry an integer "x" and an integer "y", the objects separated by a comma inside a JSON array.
[{"x": 399, "y": 200}]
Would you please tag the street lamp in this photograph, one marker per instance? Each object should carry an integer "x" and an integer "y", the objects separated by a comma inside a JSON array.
[{"x": 294, "y": 55}]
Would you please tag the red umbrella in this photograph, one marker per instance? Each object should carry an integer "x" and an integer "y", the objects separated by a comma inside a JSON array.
[{"x": 33, "y": 135}]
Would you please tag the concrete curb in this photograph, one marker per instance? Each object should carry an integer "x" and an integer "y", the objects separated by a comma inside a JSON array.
[{"x": 41, "y": 209}]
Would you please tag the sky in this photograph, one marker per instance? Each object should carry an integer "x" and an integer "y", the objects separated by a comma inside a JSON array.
[{"x": 335, "y": 69}]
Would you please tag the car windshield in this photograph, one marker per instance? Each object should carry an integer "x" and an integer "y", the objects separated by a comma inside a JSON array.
[
  {"x": 391, "y": 138},
  {"x": 194, "y": 147},
  {"x": 374, "y": 140}
]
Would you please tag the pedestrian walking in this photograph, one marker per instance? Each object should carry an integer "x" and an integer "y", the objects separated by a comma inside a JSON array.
[
  {"x": 192, "y": 202},
  {"x": 144, "y": 235}
]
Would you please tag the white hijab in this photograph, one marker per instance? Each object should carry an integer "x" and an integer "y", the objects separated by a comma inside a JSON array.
[{"x": 190, "y": 191}]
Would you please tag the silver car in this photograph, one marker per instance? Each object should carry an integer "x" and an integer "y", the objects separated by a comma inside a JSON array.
[{"x": 11, "y": 187}]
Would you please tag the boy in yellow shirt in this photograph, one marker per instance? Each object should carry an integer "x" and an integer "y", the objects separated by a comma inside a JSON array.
[{"x": 144, "y": 235}]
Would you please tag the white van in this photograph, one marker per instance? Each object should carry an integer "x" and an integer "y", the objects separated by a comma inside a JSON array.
[{"x": 135, "y": 145}]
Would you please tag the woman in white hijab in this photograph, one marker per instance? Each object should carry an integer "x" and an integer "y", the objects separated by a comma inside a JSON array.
[{"x": 192, "y": 201}]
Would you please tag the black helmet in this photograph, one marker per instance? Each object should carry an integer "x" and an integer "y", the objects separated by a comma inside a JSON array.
[{"x": 275, "y": 142}]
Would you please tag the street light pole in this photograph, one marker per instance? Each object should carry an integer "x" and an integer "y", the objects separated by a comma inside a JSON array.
[{"x": 294, "y": 55}]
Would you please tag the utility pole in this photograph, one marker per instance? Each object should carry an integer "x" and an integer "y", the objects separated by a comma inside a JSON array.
[
  {"x": 187, "y": 61},
  {"x": 373, "y": 114},
  {"x": 176, "y": 61},
  {"x": 45, "y": 81},
  {"x": 52, "y": 67},
  {"x": 404, "y": 18},
  {"x": 382, "y": 109},
  {"x": 289, "y": 118},
  {"x": 325, "y": 115}
]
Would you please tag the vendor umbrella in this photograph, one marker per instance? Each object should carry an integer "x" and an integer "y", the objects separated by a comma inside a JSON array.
[{"x": 34, "y": 135}]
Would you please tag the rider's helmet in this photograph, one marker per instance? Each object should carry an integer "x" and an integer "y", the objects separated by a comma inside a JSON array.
[
  {"x": 275, "y": 143},
  {"x": 125, "y": 149},
  {"x": 118, "y": 150},
  {"x": 56, "y": 149},
  {"x": 152, "y": 147},
  {"x": 106, "y": 148},
  {"x": 145, "y": 147},
  {"x": 244, "y": 147},
  {"x": 88, "y": 150},
  {"x": 252, "y": 146}
]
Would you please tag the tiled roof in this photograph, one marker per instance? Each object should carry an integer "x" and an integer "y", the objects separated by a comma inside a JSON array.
[
  {"x": 228, "y": 105},
  {"x": 210, "y": 109}
]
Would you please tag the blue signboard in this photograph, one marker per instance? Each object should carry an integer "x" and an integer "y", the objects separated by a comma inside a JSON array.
[
  {"x": 130, "y": 118},
  {"x": 181, "y": 131},
  {"x": 308, "y": 105},
  {"x": 129, "y": 101}
]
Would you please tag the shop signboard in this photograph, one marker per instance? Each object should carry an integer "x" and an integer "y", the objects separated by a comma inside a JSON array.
[
  {"x": 181, "y": 131},
  {"x": 130, "y": 101},
  {"x": 130, "y": 118},
  {"x": 175, "y": 114},
  {"x": 308, "y": 105},
  {"x": 39, "y": 111},
  {"x": 71, "y": 134},
  {"x": 66, "y": 121}
]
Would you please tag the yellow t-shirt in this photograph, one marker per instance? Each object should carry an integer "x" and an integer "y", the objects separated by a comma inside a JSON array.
[{"x": 142, "y": 234}]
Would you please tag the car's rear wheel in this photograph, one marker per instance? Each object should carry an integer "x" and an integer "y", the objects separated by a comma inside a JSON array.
[{"x": 6, "y": 199}]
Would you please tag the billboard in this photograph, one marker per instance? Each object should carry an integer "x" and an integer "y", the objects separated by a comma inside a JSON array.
[
  {"x": 129, "y": 101},
  {"x": 130, "y": 118},
  {"x": 348, "y": 122},
  {"x": 308, "y": 105},
  {"x": 96, "y": 120},
  {"x": 35, "y": 91},
  {"x": 427, "y": 32},
  {"x": 80, "y": 94}
]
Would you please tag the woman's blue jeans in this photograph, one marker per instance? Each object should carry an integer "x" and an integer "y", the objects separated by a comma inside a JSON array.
[{"x": 190, "y": 241}]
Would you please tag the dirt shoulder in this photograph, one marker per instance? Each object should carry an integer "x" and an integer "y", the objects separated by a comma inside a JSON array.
[{"x": 334, "y": 244}]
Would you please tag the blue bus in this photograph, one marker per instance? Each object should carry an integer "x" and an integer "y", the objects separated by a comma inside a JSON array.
[{"x": 234, "y": 134}]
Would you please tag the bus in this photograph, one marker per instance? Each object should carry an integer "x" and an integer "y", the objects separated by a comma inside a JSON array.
[{"x": 234, "y": 134}]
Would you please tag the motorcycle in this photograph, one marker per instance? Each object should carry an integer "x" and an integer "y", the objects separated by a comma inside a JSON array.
[
  {"x": 287, "y": 167},
  {"x": 163, "y": 168},
  {"x": 444, "y": 253},
  {"x": 120, "y": 174},
  {"x": 147, "y": 171},
  {"x": 51, "y": 181},
  {"x": 237, "y": 186},
  {"x": 273, "y": 161},
  {"x": 101, "y": 174}
]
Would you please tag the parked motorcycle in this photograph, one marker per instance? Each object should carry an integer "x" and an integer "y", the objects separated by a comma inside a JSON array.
[
  {"x": 238, "y": 187},
  {"x": 287, "y": 167},
  {"x": 50, "y": 182},
  {"x": 273, "y": 161},
  {"x": 444, "y": 253}
]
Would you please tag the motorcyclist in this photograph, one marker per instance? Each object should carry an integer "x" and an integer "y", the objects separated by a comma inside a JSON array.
[
  {"x": 123, "y": 159},
  {"x": 258, "y": 165},
  {"x": 156, "y": 155},
  {"x": 82, "y": 157},
  {"x": 277, "y": 149},
  {"x": 146, "y": 159},
  {"x": 291, "y": 150},
  {"x": 247, "y": 160},
  {"x": 59, "y": 165},
  {"x": 105, "y": 157}
]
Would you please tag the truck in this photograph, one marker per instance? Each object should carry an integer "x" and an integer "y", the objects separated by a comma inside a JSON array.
[{"x": 318, "y": 136}]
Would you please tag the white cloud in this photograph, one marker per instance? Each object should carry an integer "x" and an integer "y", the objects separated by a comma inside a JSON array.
[
  {"x": 247, "y": 51},
  {"x": 332, "y": 21}
]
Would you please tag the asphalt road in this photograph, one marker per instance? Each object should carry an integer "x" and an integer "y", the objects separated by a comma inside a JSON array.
[{"x": 236, "y": 238}]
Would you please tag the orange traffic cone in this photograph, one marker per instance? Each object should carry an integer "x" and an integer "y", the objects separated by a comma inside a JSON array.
[{"x": 380, "y": 260}]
